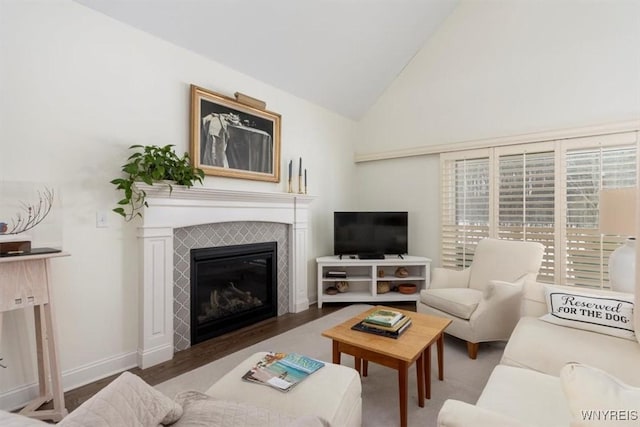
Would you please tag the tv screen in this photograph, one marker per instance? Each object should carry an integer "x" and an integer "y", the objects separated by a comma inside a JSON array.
[{"x": 370, "y": 233}]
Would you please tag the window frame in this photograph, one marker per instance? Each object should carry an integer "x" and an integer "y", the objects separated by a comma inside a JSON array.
[{"x": 560, "y": 148}]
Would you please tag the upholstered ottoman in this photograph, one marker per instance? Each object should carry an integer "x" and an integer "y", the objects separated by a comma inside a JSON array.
[{"x": 333, "y": 393}]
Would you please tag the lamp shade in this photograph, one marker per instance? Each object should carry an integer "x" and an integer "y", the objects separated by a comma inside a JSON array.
[{"x": 618, "y": 211}]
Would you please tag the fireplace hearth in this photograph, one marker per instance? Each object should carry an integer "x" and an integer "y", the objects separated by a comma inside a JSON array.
[{"x": 232, "y": 287}]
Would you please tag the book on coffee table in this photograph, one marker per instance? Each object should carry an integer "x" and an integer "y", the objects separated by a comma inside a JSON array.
[
  {"x": 364, "y": 327},
  {"x": 384, "y": 317},
  {"x": 282, "y": 371},
  {"x": 393, "y": 328}
]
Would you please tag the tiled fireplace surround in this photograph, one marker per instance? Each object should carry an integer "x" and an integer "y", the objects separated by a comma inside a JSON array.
[
  {"x": 221, "y": 234},
  {"x": 169, "y": 218}
]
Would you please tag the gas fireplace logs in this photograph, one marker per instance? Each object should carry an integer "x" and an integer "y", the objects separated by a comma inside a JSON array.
[{"x": 225, "y": 301}]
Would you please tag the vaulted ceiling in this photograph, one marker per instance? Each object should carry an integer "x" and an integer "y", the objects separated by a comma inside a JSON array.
[{"x": 340, "y": 54}]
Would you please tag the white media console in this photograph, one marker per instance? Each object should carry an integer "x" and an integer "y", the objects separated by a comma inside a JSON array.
[{"x": 362, "y": 277}]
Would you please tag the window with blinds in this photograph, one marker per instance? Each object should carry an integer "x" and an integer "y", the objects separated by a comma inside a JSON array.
[
  {"x": 465, "y": 209},
  {"x": 545, "y": 192},
  {"x": 587, "y": 172},
  {"x": 526, "y": 198}
]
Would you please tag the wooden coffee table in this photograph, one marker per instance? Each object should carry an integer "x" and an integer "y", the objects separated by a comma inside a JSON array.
[{"x": 414, "y": 345}]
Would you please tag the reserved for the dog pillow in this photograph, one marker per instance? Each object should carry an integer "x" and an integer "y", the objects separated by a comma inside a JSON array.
[{"x": 606, "y": 312}]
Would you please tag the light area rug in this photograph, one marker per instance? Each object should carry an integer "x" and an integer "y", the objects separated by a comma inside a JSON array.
[{"x": 463, "y": 378}]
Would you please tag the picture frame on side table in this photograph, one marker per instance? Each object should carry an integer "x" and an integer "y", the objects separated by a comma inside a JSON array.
[{"x": 232, "y": 139}]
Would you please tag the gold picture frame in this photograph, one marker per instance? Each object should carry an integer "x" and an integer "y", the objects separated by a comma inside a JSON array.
[{"x": 232, "y": 139}]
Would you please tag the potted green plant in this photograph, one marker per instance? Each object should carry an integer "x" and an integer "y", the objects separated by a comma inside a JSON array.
[{"x": 152, "y": 164}]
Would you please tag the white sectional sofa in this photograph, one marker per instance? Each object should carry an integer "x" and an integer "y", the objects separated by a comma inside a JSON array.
[{"x": 541, "y": 378}]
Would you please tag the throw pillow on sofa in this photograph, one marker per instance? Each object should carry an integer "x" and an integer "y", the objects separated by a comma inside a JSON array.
[
  {"x": 606, "y": 312},
  {"x": 126, "y": 401},
  {"x": 596, "y": 398}
]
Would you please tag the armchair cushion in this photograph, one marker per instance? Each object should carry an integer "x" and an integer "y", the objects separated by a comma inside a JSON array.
[
  {"x": 605, "y": 312},
  {"x": 459, "y": 302},
  {"x": 596, "y": 398}
]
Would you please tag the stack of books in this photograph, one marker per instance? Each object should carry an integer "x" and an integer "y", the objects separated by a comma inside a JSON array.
[
  {"x": 282, "y": 371},
  {"x": 388, "y": 323}
]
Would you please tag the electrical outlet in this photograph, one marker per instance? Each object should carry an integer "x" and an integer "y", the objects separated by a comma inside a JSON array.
[{"x": 102, "y": 219}]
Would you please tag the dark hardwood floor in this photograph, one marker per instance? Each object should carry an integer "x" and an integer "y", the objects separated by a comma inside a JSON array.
[{"x": 213, "y": 349}]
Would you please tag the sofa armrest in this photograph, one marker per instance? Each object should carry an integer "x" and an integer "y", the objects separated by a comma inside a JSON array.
[
  {"x": 455, "y": 413},
  {"x": 447, "y": 278},
  {"x": 499, "y": 289},
  {"x": 498, "y": 293}
]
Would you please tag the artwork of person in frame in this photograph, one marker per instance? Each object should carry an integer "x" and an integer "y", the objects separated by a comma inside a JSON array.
[{"x": 233, "y": 139}]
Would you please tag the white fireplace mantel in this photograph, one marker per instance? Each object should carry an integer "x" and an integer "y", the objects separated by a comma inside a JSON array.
[{"x": 183, "y": 207}]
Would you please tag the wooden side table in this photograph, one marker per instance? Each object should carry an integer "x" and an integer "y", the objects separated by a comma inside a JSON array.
[
  {"x": 25, "y": 281},
  {"x": 412, "y": 346}
]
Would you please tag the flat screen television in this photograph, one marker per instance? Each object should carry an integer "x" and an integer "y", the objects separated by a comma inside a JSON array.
[{"x": 370, "y": 234}]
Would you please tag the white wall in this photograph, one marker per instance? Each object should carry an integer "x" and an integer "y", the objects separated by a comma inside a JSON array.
[
  {"x": 498, "y": 68},
  {"x": 76, "y": 89}
]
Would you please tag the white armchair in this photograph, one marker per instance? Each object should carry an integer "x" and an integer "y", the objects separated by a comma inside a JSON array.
[{"x": 483, "y": 301}]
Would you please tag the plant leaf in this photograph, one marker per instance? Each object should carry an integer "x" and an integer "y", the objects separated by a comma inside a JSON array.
[{"x": 131, "y": 168}]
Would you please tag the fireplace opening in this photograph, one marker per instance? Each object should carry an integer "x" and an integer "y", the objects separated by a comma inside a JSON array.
[{"x": 232, "y": 287}]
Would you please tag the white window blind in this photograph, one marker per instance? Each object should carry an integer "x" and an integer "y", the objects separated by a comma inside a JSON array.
[
  {"x": 465, "y": 208},
  {"x": 546, "y": 192},
  {"x": 526, "y": 198},
  {"x": 588, "y": 170}
]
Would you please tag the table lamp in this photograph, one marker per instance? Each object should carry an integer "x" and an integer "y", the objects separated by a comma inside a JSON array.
[{"x": 618, "y": 217}]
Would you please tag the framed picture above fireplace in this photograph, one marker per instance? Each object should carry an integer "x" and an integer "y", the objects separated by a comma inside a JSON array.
[{"x": 232, "y": 139}]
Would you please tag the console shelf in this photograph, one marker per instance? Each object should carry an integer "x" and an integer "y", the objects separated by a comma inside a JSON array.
[{"x": 362, "y": 278}]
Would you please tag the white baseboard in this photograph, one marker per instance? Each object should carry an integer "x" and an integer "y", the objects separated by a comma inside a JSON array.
[
  {"x": 77, "y": 377},
  {"x": 18, "y": 397},
  {"x": 71, "y": 379},
  {"x": 301, "y": 306},
  {"x": 151, "y": 357}
]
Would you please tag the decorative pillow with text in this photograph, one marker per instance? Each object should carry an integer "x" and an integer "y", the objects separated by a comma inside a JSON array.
[{"x": 605, "y": 312}]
